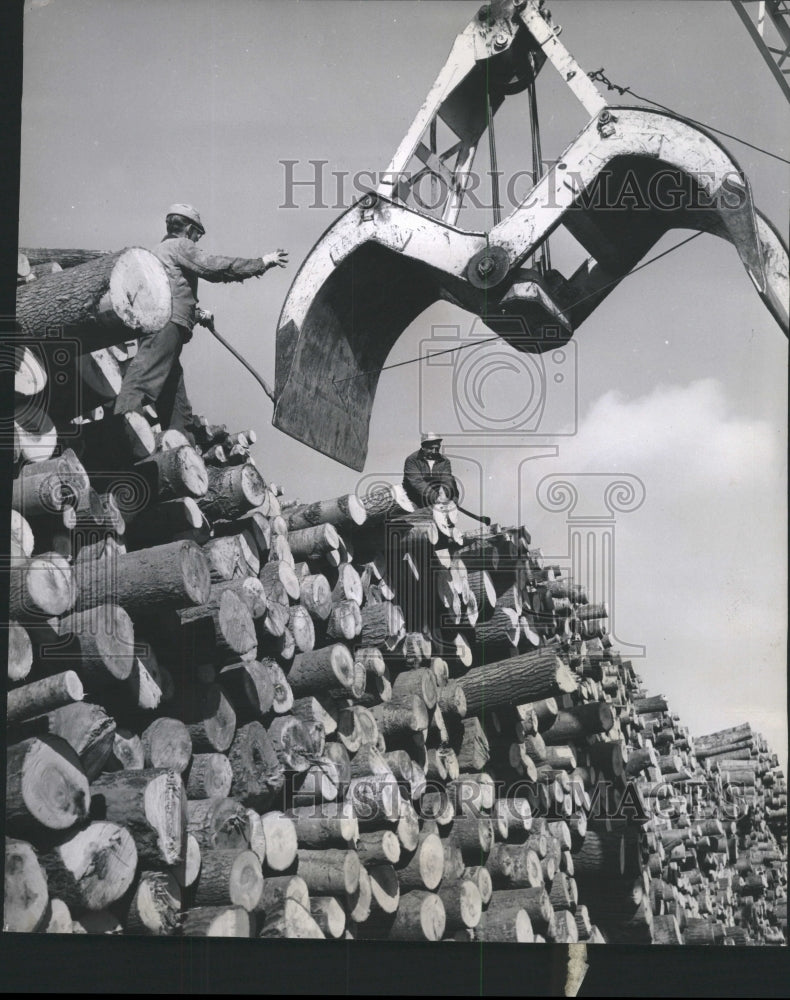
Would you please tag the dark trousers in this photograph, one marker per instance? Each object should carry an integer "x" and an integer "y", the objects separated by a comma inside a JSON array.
[{"x": 155, "y": 376}]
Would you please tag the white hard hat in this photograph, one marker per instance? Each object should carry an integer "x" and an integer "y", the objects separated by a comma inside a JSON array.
[
  {"x": 430, "y": 436},
  {"x": 188, "y": 212}
]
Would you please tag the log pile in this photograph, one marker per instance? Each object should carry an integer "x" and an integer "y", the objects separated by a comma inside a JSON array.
[{"x": 231, "y": 715}]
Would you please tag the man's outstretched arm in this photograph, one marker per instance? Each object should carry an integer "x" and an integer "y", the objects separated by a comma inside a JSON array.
[{"x": 213, "y": 267}]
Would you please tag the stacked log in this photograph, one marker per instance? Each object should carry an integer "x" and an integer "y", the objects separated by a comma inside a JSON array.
[{"x": 231, "y": 714}]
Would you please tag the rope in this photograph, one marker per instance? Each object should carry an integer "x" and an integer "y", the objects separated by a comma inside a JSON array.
[{"x": 599, "y": 76}]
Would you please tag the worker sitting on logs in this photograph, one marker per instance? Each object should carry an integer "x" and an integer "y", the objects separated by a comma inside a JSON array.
[
  {"x": 428, "y": 475},
  {"x": 155, "y": 375}
]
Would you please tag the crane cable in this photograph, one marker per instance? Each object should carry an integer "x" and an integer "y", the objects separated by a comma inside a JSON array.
[
  {"x": 599, "y": 76},
  {"x": 488, "y": 340}
]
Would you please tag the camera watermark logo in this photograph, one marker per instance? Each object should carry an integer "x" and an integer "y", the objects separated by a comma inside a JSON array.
[
  {"x": 46, "y": 382},
  {"x": 591, "y": 503},
  {"x": 496, "y": 392}
]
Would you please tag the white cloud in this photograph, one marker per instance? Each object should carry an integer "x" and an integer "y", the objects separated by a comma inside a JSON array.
[{"x": 700, "y": 567}]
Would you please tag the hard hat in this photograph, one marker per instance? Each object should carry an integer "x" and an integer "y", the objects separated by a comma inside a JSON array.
[
  {"x": 430, "y": 436},
  {"x": 188, "y": 212}
]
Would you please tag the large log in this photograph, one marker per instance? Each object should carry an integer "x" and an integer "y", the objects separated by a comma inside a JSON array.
[
  {"x": 258, "y": 776},
  {"x": 419, "y": 917},
  {"x": 229, "y": 877},
  {"x": 290, "y": 920},
  {"x": 45, "y": 786},
  {"x": 167, "y": 744},
  {"x": 312, "y": 543},
  {"x": 217, "y": 921},
  {"x": 173, "y": 575},
  {"x": 321, "y": 670},
  {"x": 330, "y": 871},
  {"x": 578, "y": 722},
  {"x": 87, "y": 729},
  {"x": 210, "y": 718},
  {"x": 342, "y": 512},
  {"x": 505, "y": 921},
  {"x": 173, "y": 474},
  {"x": 40, "y": 588},
  {"x": 424, "y": 867},
  {"x": 99, "y": 301},
  {"x": 382, "y": 625},
  {"x": 64, "y": 258},
  {"x": 250, "y": 688},
  {"x": 528, "y": 677},
  {"x": 232, "y": 492},
  {"x": 93, "y": 868},
  {"x": 43, "y": 488},
  {"x": 22, "y": 541},
  {"x": 218, "y": 824},
  {"x": 535, "y": 901},
  {"x": 173, "y": 520},
  {"x": 216, "y": 635},
  {"x": 210, "y": 776},
  {"x": 40, "y": 697},
  {"x": 26, "y": 895},
  {"x": 151, "y": 804},
  {"x": 155, "y": 906},
  {"x": 315, "y": 596},
  {"x": 99, "y": 642},
  {"x": 329, "y": 915}
]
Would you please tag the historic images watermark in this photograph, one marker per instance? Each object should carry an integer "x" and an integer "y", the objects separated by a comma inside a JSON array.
[
  {"x": 313, "y": 184},
  {"x": 497, "y": 393}
]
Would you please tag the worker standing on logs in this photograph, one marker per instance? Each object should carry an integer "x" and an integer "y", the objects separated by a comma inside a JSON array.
[
  {"x": 428, "y": 475},
  {"x": 155, "y": 375}
]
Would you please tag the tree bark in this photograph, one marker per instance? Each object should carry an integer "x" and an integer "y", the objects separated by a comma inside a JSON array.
[
  {"x": 93, "y": 868},
  {"x": 174, "y": 475},
  {"x": 210, "y": 776},
  {"x": 217, "y": 921},
  {"x": 290, "y": 920},
  {"x": 218, "y": 824},
  {"x": 40, "y": 588},
  {"x": 180, "y": 520},
  {"x": 26, "y": 893},
  {"x": 250, "y": 688},
  {"x": 258, "y": 776},
  {"x": 527, "y": 677},
  {"x": 341, "y": 512},
  {"x": 155, "y": 906},
  {"x": 148, "y": 581},
  {"x": 321, "y": 670},
  {"x": 45, "y": 786},
  {"x": 229, "y": 877},
  {"x": 39, "y": 697},
  {"x": 232, "y": 492},
  {"x": 99, "y": 301},
  {"x": 329, "y": 915},
  {"x": 167, "y": 744},
  {"x": 151, "y": 804},
  {"x": 88, "y": 730},
  {"x": 210, "y": 719},
  {"x": 101, "y": 641}
]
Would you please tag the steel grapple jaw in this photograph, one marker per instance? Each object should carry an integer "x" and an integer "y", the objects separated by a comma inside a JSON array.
[{"x": 629, "y": 177}]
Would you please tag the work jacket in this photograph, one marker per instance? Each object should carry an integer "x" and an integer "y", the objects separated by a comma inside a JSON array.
[
  {"x": 185, "y": 263},
  {"x": 422, "y": 483}
]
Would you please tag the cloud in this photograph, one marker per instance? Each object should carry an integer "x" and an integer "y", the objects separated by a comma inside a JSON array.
[{"x": 700, "y": 566}]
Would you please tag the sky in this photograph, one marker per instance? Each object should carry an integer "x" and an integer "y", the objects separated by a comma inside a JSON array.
[{"x": 676, "y": 384}]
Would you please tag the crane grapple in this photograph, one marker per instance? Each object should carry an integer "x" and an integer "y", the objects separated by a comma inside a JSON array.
[{"x": 627, "y": 178}]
